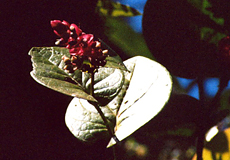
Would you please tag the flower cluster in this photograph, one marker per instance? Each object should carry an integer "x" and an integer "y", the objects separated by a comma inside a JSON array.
[{"x": 86, "y": 54}]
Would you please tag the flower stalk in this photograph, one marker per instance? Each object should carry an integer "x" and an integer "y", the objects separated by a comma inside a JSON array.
[
  {"x": 95, "y": 104},
  {"x": 86, "y": 55}
]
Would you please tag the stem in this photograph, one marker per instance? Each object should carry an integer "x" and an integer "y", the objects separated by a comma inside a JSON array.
[
  {"x": 92, "y": 84},
  {"x": 105, "y": 121},
  {"x": 111, "y": 133},
  {"x": 114, "y": 152},
  {"x": 200, "y": 145},
  {"x": 216, "y": 99},
  {"x": 99, "y": 110},
  {"x": 201, "y": 135},
  {"x": 212, "y": 109}
]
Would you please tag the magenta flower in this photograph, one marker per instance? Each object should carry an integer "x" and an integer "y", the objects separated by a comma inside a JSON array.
[
  {"x": 82, "y": 47},
  {"x": 86, "y": 46},
  {"x": 65, "y": 31}
]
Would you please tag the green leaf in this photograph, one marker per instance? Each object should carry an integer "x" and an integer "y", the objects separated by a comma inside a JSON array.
[
  {"x": 212, "y": 30},
  {"x": 220, "y": 10},
  {"x": 85, "y": 123},
  {"x": 172, "y": 29},
  {"x": 115, "y": 9},
  {"x": 108, "y": 84},
  {"x": 204, "y": 7},
  {"x": 134, "y": 98},
  {"x": 123, "y": 36},
  {"x": 209, "y": 34},
  {"x": 113, "y": 60},
  {"x": 48, "y": 71},
  {"x": 148, "y": 91}
]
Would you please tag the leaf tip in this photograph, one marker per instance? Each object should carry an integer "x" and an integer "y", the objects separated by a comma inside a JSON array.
[
  {"x": 29, "y": 53},
  {"x": 111, "y": 143},
  {"x": 34, "y": 49},
  {"x": 88, "y": 97},
  {"x": 91, "y": 98}
]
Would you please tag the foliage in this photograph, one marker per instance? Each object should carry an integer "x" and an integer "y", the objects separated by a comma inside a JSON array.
[
  {"x": 135, "y": 96},
  {"x": 113, "y": 89},
  {"x": 183, "y": 36},
  {"x": 115, "y": 9},
  {"x": 131, "y": 43},
  {"x": 49, "y": 71}
]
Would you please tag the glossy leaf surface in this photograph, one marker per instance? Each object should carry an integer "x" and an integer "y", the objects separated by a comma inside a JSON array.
[
  {"x": 48, "y": 71},
  {"x": 85, "y": 123},
  {"x": 148, "y": 91},
  {"x": 141, "y": 96}
]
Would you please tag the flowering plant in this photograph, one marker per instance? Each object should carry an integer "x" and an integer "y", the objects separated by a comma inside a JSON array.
[
  {"x": 94, "y": 74},
  {"x": 114, "y": 98}
]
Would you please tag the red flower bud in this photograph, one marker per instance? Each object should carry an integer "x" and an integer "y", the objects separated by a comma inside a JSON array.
[
  {"x": 80, "y": 46},
  {"x": 76, "y": 29},
  {"x": 61, "y": 29}
]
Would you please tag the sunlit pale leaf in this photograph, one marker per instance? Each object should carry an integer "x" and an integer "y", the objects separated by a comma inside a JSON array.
[
  {"x": 115, "y": 9},
  {"x": 148, "y": 91},
  {"x": 48, "y": 71}
]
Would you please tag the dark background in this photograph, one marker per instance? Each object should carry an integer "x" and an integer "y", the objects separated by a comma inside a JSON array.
[
  {"x": 32, "y": 124},
  {"x": 32, "y": 116}
]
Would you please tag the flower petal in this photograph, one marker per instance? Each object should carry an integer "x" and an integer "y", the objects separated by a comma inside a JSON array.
[
  {"x": 87, "y": 38},
  {"x": 78, "y": 31},
  {"x": 66, "y": 23},
  {"x": 60, "y": 28}
]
